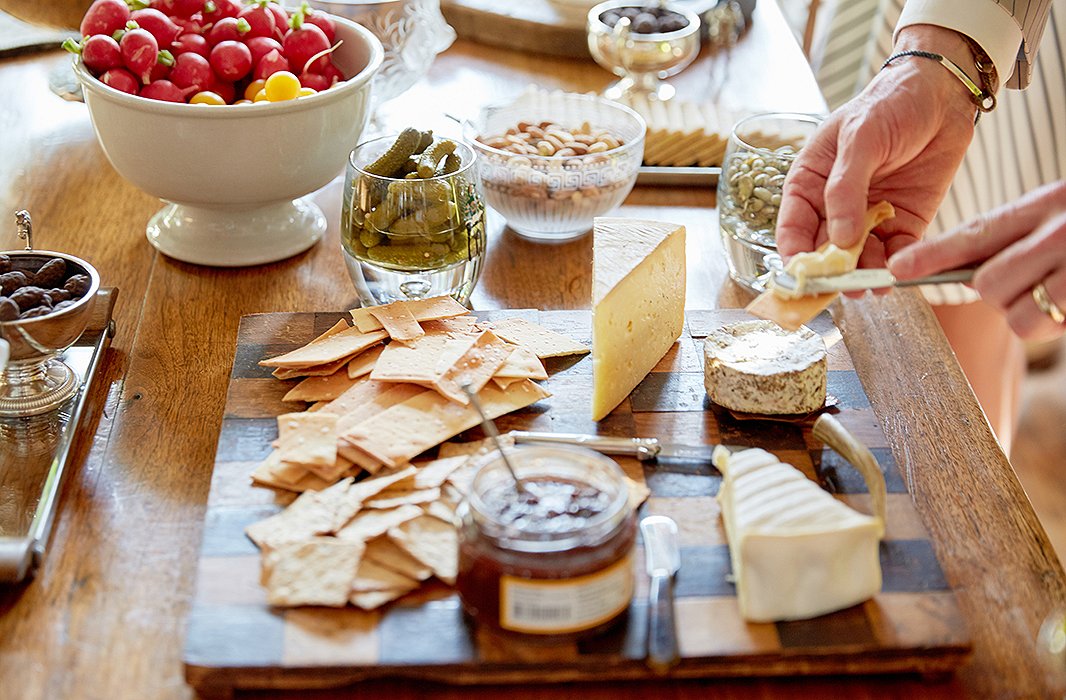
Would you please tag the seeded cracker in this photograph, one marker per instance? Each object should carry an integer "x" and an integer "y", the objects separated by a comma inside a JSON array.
[
  {"x": 313, "y": 513},
  {"x": 325, "y": 388},
  {"x": 542, "y": 341},
  {"x": 422, "y": 309},
  {"x": 432, "y": 542},
  {"x": 522, "y": 364},
  {"x": 363, "y": 363},
  {"x": 397, "y": 321},
  {"x": 384, "y": 551},
  {"x": 474, "y": 367},
  {"x": 319, "y": 571},
  {"x": 368, "y": 524},
  {"x": 308, "y": 438},
  {"x": 329, "y": 349},
  {"x": 392, "y": 499}
]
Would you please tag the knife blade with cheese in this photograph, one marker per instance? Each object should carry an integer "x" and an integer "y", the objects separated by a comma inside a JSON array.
[
  {"x": 797, "y": 551},
  {"x": 785, "y": 307},
  {"x": 638, "y": 303}
]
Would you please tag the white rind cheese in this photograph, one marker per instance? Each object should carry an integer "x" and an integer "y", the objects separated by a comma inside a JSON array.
[
  {"x": 797, "y": 552},
  {"x": 759, "y": 367},
  {"x": 638, "y": 303},
  {"x": 827, "y": 262}
]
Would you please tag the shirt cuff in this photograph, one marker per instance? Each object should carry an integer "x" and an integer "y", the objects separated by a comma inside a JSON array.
[{"x": 986, "y": 22}]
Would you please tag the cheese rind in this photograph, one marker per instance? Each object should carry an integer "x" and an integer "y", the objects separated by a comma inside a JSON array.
[
  {"x": 759, "y": 367},
  {"x": 638, "y": 303},
  {"x": 797, "y": 552}
]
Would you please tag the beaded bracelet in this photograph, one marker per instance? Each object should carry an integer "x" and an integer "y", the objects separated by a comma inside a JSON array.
[{"x": 982, "y": 96}]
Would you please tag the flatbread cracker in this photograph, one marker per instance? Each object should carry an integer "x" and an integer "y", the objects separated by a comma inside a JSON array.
[
  {"x": 368, "y": 488},
  {"x": 435, "y": 473},
  {"x": 790, "y": 314},
  {"x": 363, "y": 363},
  {"x": 340, "y": 325},
  {"x": 418, "y": 360},
  {"x": 422, "y": 309},
  {"x": 319, "y": 571},
  {"x": 408, "y": 429},
  {"x": 384, "y": 551},
  {"x": 374, "y": 577},
  {"x": 390, "y": 498},
  {"x": 312, "y": 513},
  {"x": 431, "y": 541},
  {"x": 372, "y": 600},
  {"x": 325, "y": 388},
  {"x": 474, "y": 448},
  {"x": 441, "y": 511},
  {"x": 308, "y": 438},
  {"x": 397, "y": 321},
  {"x": 474, "y": 368},
  {"x": 327, "y": 369},
  {"x": 522, "y": 363},
  {"x": 544, "y": 342},
  {"x": 329, "y": 349},
  {"x": 458, "y": 324},
  {"x": 371, "y": 523},
  {"x": 264, "y": 475}
]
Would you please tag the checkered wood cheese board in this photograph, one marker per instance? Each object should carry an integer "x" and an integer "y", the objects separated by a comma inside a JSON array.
[{"x": 234, "y": 639}]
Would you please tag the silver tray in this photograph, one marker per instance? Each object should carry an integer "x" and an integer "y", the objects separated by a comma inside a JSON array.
[{"x": 35, "y": 454}]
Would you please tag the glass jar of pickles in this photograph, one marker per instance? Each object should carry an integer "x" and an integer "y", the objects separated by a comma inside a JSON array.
[
  {"x": 553, "y": 559},
  {"x": 413, "y": 221}
]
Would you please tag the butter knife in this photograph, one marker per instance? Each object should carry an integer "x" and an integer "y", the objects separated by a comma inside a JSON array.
[
  {"x": 865, "y": 278},
  {"x": 644, "y": 449},
  {"x": 663, "y": 559}
]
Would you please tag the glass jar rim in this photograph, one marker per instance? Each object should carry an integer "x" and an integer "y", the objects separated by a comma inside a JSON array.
[
  {"x": 468, "y": 158},
  {"x": 805, "y": 117},
  {"x": 616, "y": 509}
]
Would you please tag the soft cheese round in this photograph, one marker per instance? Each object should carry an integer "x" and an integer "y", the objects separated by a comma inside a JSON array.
[{"x": 759, "y": 367}]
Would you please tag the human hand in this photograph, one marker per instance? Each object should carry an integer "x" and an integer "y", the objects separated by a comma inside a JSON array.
[
  {"x": 901, "y": 140},
  {"x": 1019, "y": 246}
]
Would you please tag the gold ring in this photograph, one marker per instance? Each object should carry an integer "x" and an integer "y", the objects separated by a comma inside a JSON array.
[{"x": 1045, "y": 303}]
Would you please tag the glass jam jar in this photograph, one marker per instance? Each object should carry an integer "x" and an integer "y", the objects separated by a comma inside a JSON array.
[{"x": 554, "y": 559}]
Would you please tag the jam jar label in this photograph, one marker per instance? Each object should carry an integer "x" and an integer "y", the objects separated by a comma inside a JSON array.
[{"x": 561, "y": 606}]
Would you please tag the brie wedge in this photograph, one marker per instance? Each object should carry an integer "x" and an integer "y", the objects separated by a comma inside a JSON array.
[{"x": 797, "y": 552}]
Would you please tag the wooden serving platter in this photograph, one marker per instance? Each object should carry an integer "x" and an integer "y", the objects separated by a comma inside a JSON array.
[{"x": 235, "y": 640}]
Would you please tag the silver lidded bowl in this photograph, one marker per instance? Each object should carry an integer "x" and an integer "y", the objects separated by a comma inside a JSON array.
[{"x": 35, "y": 380}]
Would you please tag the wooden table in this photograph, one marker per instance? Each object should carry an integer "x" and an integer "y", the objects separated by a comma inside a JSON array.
[{"x": 105, "y": 616}]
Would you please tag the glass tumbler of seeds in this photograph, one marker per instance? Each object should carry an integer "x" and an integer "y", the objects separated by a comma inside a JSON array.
[
  {"x": 413, "y": 221},
  {"x": 760, "y": 151}
]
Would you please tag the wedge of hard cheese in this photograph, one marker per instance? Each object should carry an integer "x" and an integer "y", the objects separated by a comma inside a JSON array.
[
  {"x": 638, "y": 303},
  {"x": 791, "y": 311},
  {"x": 797, "y": 552}
]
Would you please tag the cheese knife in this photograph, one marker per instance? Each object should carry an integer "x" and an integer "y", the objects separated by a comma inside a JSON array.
[
  {"x": 644, "y": 449},
  {"x": 663, "y": 559},
  {"x": 865, "y": 278}
]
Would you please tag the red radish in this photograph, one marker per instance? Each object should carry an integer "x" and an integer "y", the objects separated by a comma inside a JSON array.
[
  {"x": 324, "y": 22},
  {"x": 101, "y": 53},
  {"x": 260, "y": 46},
  {"x": 187, "y": 8},
  {"x": 260, "y": 19},
  {"x": 163, "y": 90},
  {"x": 270, "y": 64},
  {"x": 314, "y": 81},
  {"x": 228, "y": 29},
  {"x": 164, "y": 6},
  {"x": 159, "y": 25},
  {"x": 302, "y": 43},
  {"x": 104, "y": 17},
  {"x": 159, "y": 71},
  {"x": 231, "y": 60},
  {"x": 120, "y": 79},
  {"x": 281, "y": 19},
  {"x": 192, "y": 70},
  {"x": 189, "y": 25},
  {"x": 191, "y": 43},
  {"x": 224, "y": 90},
  {"x": 333, "y": 74},
  {"x": 214, "y": 10},
  {"x": 139, "y": 52}
]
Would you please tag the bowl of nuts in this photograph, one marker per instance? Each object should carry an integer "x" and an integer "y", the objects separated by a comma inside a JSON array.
[
  {"x": 551, "y": 162},
  {"x": 46, "y": 301}
]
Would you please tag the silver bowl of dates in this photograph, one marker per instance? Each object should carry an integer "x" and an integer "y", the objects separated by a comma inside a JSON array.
[{"x": 46, "y": 300}]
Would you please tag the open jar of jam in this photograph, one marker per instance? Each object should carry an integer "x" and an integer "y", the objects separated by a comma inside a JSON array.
[{"x": 554, "y": 557}]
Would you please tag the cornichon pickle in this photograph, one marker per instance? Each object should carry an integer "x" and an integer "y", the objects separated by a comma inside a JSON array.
[
  {"x": 369, "y": 238},
  {"x": 413, "y": 256},
  {"x": 397, "y": 154},
  {"x": 385, "y": 214},
  {"x": 411, "y": 194},
  {"x": 423, "y": 143},
  {"x": 449, "y": 165},
  {"x": 433, "y": 155}
]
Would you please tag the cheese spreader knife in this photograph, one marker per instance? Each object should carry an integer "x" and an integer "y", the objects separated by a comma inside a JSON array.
[
  {"x": 663, "y": 559},
  {"x": 644, "y": 449},
  {"x": 865, "y": 278}
]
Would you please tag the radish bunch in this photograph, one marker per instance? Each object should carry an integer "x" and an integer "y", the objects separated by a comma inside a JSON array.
[{"x": 208, "y": 51}]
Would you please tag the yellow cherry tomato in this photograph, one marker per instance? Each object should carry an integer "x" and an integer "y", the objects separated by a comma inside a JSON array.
[
  {"x": 305, "y": 91},
  {"x": 253, "y": 89},
  {"x": 282, "y": 85},
  {"x": 261, "y": 96},
  {"x": 243, "y": 102},
  {"x": 207, "y": 98}
]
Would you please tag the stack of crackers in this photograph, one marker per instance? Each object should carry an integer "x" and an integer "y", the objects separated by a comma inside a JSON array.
[
  {"x": 382, "y": 392},
  {"x": 682, "y": 133}
]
